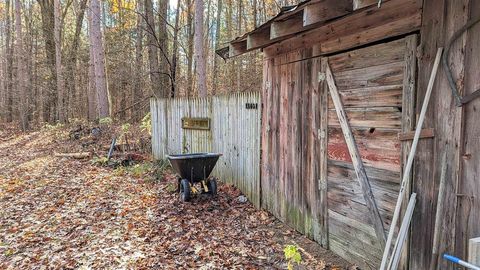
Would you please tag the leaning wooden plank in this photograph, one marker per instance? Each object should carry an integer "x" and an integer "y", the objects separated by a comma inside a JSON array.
[
  {"x": 439, "y": 214},
  {"x": 355, "y": 156},
  {"x": 409, "y": 164},
  {"x": 402, "y": 235}
]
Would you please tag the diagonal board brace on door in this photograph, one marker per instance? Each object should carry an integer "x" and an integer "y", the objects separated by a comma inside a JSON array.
[{"x": 356, "y": 159}]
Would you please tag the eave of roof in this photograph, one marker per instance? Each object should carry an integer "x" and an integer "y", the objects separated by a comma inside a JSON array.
[{"x": 291, "y": 21}]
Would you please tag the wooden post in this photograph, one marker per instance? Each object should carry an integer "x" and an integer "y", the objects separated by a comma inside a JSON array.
[
  {"x": 356, "y": 160},
  {"x": 474, "y": 251},
  {"x": 411, "y": 156}
]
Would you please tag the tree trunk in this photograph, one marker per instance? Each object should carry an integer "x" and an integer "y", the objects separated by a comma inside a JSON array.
[
  {"x": 163, "y": 46},
  {"x": 199, "y": 52},
  {"x": 28, "y": 41},
  {"x": 47, "y": 12},
  {"x": 239, "y": 32},
  {"x": 206, "y": 44},
  {"x": 92, "y": 92},
  {"x": 217, "y": 46},
  {"x": 175, "y": 51},
  {"x": 155, "y": 78},
  {"x": 58, "y": 62},
  {"x": 9, "y": 64},
  {"x": 231, "y": 64},
  {"x": 138, "y": 86},
  {"x": 21, "y": 70},
  {"x": 99, "y": 60},
  {"x": 71, "y": 65},
  {"x": 190, "y": 32}
]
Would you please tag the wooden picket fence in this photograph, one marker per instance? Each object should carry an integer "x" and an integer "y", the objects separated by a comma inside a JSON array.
[{"x": 235, "y": 122}]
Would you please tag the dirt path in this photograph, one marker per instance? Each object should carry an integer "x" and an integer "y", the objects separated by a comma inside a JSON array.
[{"x": 58, "y": 213}]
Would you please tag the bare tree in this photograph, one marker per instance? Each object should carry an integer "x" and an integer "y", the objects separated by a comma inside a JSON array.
[
  {"x": 8, "y": 65},
  {"x": 199, "y": 52},
  {"x": 21, "y": 67},
  {"x": 137, "y": 92},
  {"x": 92, "y": 91},
  {"x": 217, "y": 46},
  {"x": 50, "y": 100},
  {"x": 71, "y": 64},
  {"x": 174, "y": 66},
  {"x": 155, "y": 78},
  {"x": 96, "y": 43},
  {"x": 58, "y": 62},
  {"x": 190, "y": 34},
  {"x": 162, "y": 44}
]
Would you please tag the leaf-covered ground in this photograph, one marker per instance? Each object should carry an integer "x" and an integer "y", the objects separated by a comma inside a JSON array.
[{"x": 62, "y": 213}]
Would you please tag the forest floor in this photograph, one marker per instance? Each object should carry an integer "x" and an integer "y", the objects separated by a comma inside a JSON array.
[{"x": 64, "y": 213}]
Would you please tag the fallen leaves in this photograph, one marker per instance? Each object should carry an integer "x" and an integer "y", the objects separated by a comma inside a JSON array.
[{"x": 58, "y": 213}]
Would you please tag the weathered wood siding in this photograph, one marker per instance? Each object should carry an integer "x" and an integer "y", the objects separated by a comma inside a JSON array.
[
  {"x": 308, "y": 180},
  {"x": 457, "y": 133},
  {"x": 235, "y": 132}
]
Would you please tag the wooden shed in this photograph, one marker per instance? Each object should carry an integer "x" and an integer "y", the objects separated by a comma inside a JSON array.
[{"x": 381, "y": 59}]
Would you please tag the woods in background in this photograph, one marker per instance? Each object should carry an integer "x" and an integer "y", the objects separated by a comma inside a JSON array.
[{"x": 91, "y": 59}]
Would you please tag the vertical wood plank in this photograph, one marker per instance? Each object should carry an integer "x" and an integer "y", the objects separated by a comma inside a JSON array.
[
  {"x": 468, "y": 209},
  {"x": 322, "y": 136},
  {"x": 431, "y": 34},
  {"x": 408, "y": 121}
]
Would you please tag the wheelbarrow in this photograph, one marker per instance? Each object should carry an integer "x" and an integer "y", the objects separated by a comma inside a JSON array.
[{"x": 195, "y": 169}]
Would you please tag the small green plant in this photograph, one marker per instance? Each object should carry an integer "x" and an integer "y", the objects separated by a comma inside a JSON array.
[
  {"x": 146, "y": 124},
  {"x": 125, "y": 134},
  {"x": 161, "y": 168},
  {"x": 292, "y": 255},
  {"x": 171, "y": 188},
  {"x": 120, "y": 171},
  {"x": 140, "y": 170},
  {"x": 54, "y": 127},
  {"x": 100, "y": 161},
  {"x": 105, "y": 121},
  {"x": 126, "y": 127}
]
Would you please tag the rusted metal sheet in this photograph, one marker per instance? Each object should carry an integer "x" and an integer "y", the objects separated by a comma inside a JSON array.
[{"x": 234, "y": 130}]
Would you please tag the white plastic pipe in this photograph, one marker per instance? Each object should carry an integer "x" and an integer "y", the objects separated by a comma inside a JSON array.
[{"x": 408, "y": 166}]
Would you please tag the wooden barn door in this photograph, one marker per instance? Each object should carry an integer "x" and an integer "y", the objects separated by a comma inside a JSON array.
[
  {"x": 290, "y": 168},
  {"x": 376, "y": 85}
]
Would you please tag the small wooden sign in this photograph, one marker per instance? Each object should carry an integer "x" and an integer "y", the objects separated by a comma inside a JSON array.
[{"x": 196, "y": 123}]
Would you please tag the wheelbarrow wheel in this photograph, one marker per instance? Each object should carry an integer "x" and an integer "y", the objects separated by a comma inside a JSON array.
[
  {"x": 185, "y": 190},
  {"x": 212, "y": 186}
]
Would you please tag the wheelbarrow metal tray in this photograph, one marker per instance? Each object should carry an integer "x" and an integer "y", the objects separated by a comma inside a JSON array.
[{"x": 194, "y": 167}]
